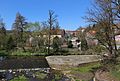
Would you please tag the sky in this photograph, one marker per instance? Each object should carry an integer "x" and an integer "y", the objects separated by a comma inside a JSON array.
[{"x": 69, "y": 12}]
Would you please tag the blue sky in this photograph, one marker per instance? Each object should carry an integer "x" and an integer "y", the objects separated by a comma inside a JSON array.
[{"x": 70, "y": 12}]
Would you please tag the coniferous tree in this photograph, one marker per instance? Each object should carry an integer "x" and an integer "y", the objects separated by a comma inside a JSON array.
[
  {"x": 2, "y": 34},
  {"x": 18, "y": 30},
  {"x": 10, "y": 43},
  {"x": 56, "y": 44}
]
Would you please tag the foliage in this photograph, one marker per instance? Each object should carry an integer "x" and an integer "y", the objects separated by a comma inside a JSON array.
[
  {"x": 56, "y": 44},
  {"x": 18, "y": 30},
  {"x": 2, "y": 34},
  {"x": 98, "y": 48},
  {"x": 57, "y": 75},
  {"x": 84, "y": 45},
  {"x": 3, "y": 53},
  {"x": 21, "y": 53},
  {"x": 20, "y": 78},
  {"x": 70, "y": 45},
  {"x": 77, "y": 80},
  {"x": 33, "y": 26},
  {"x": 40, "y": 75},
  {"x": 10, "y": 43}
]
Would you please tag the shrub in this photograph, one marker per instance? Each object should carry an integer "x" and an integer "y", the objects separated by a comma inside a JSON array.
[
  {"x": 19, "y": 78},
  {"x": 70, "y": 45},
  {"x": 98, "y": 48},
  {"x": 3, "y": 53},
  {"x": 56, "y": 44},
  {"x": 40, "y": 75},
  {"x": 84, "y": 45},
  {"x": 10, "y": 44}
]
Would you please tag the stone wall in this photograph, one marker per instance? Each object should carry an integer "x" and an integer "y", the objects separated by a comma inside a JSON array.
[{"x": 72, "y": 60}]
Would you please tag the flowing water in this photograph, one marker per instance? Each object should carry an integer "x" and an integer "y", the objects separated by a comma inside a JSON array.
[{"x": 11, "y": 67}]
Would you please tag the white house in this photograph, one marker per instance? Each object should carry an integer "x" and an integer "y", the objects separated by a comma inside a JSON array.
[{"x": 117, "y": 38}]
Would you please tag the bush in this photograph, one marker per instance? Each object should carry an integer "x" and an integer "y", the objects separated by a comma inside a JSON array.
[
  {"x": 57, "y": 75},
  {"x": 3, "y": 53},
  {"x": 40, "y": 75},
  {"x": 98, "y": 48},
  {"x": 19, "y": 78},
  {"x": 10, "y": 44},
  {"x": 70, "y": 45},
  {"x": 56, "y": 44},
  {"x": 84, "y": 45}
]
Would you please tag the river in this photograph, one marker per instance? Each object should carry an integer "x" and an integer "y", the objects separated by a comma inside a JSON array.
[{"x": 13, "y": 66}]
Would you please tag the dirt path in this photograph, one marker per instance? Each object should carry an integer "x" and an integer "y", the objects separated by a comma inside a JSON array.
[{"x": 101, "y": 75}]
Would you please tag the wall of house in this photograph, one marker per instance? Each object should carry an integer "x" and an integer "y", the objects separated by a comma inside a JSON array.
[{"x": 117, "y": 38}]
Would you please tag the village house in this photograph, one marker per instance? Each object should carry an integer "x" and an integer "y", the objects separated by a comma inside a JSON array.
[
  {"x": 90, "y": 38},
  {"x": 55, "y": 32},
  {"x": 72, "y": 36}
]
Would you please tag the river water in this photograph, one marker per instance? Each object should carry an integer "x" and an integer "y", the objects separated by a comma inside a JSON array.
[{"x": 11, "y": 67}]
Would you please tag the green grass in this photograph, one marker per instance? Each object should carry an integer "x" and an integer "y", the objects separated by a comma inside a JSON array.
[
  {"x": 3, "y": 53},
  {"x": 57, "y": 77},
  {"x": 28, "y": 53},
  {"x": 19, "y": 53},
  {"x": 116, "y": 72},
  {"x": 40, "y": 75},
  {"x": 20, "y": 78},
  {"x": 86, "y": 68}
]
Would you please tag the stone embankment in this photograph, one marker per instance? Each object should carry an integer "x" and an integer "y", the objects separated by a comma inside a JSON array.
[{"x": 56, "y": 62}]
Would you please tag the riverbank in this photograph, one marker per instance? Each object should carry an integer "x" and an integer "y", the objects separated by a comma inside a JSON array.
[
  {"x": 76, "y": 67},
  {"x": 57, "y": 62}
]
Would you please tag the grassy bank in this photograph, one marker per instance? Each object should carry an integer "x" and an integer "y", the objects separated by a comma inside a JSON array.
[
  {"x": 82, "y": 72},
  {"x": 115, "y": 72}
]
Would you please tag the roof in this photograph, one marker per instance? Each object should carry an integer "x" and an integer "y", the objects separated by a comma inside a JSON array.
[{"x": 56, "y": 32}]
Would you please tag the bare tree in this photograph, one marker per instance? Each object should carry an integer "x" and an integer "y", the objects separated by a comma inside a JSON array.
[
  {"x": 51, "y": 22},
  {"x": 104, "y": 20},
  {"x": 18, "y": 29},
  {"x": 116, "y": 7}
]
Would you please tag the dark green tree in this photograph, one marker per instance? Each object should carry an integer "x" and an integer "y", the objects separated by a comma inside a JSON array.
[
  {"x": 18, "y": 30},
  {"x": 84, "y": 45},
  {"x": 56, "y": 44},
  {"x": 10, "y": 44},
  {"x": 2, "y": 34},
  {"x": 70, "y": 45}
]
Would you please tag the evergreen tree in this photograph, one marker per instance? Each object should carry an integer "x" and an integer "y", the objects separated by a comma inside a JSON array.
[
  {"x": 18, "y": 30},
  {"x": 10, "y": 43},
  {"x": 56, "y": 44},
  {"x": 2, "y": 34}
]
